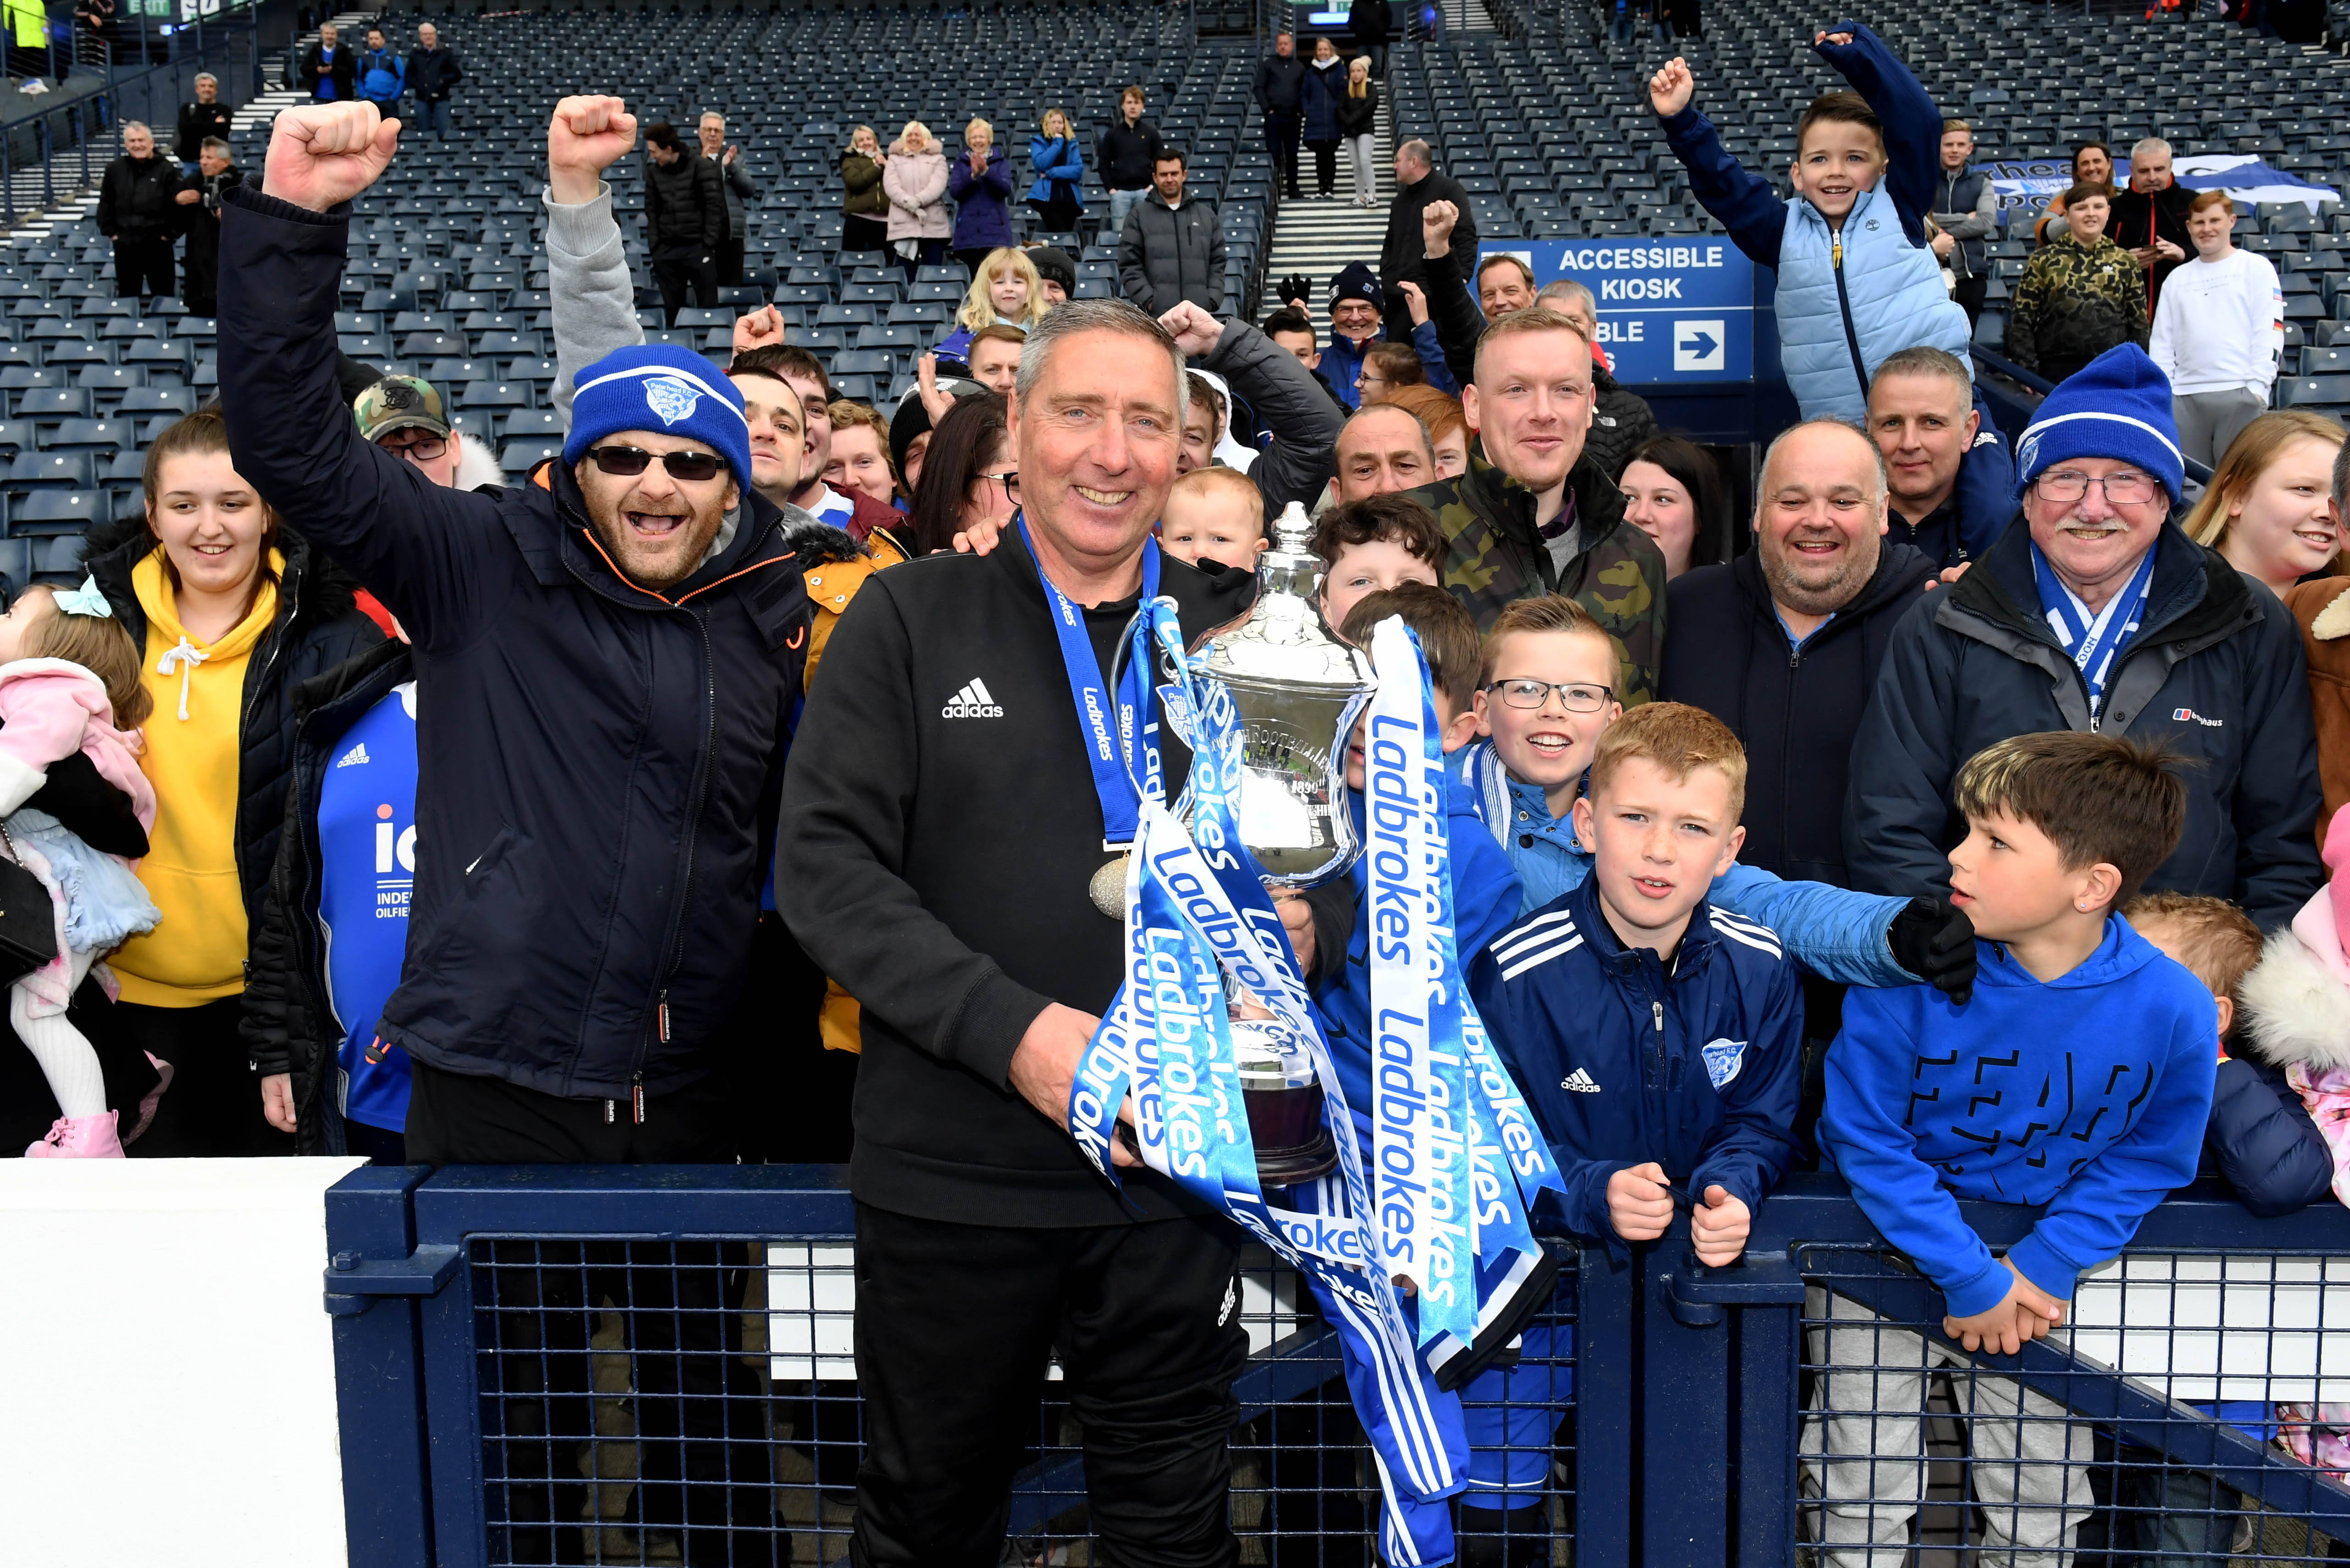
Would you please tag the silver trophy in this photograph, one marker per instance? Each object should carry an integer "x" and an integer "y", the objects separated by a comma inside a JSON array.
[{"x": 1298, "y": 690}]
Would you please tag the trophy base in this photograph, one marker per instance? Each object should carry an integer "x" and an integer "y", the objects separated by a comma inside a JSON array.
[{"x": 1292, "y": 1146}]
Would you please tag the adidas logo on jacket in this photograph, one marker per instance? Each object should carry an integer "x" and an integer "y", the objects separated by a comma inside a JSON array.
[{"x": 1694, "y": 1062}]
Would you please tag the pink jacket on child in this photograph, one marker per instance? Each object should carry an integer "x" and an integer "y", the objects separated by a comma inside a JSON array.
[{"x": 50, "y": 709}]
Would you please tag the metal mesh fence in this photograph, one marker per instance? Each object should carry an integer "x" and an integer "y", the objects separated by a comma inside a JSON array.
[
  {"x": 2186, "y": 1413},
  {"x": 695, "y": 1402}
]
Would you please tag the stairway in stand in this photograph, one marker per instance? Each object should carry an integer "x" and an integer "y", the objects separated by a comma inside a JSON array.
[{"x": 1320, "y": 238}]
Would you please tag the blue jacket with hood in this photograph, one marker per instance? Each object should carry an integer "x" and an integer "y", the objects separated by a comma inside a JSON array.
[
  {"x": 1846, "y": 300},
  {"x": 2086, "y": 1095},
  {"x": 1693, "y": 1061},
  {"x": 1058, "y": 160},
  {"x": 1840, "y": 935}
]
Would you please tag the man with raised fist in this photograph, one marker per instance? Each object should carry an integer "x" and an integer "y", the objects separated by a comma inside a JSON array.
[{"x": 606, "y": 660}]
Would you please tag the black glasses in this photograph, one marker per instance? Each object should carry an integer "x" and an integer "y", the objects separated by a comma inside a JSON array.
[
  {"x": 423, "y": 449},
  {"x": 2127, "y": 488},
  {"x": 627, "y": 462},
  {"x": 1574, "y": 696},
  {"x": 1009, "y": 479}
]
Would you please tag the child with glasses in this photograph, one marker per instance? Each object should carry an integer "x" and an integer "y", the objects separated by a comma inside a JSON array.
[{"x": 1546, "y": 693}]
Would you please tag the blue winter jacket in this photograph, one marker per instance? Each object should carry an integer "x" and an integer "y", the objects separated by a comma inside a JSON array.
[
  {"x": 383, "y": 75},
  {"x": 980, "y": 217},
  {"x": 1847, "y": 302},
  {"x": 2087, "y": 1095},
  {"x": 1695, "y": 1062},
  {"x": 1838, "y": 935},
  {"x": 1059, "y": 160},
  {"x": 1484, "y": 902},
  {"x": 2261, "y": 1141}
]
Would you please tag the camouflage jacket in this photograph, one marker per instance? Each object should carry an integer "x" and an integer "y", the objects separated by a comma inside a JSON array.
[
  {"x": 2074, "y": 302},
  {"x": 1494, "y": 556}
]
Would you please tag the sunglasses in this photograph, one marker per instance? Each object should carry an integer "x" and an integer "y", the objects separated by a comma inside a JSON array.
[{"x": 627, "y": 462}]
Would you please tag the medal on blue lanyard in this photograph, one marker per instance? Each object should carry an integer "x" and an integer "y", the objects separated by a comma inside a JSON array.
[{"x": 1111, "y": 722}]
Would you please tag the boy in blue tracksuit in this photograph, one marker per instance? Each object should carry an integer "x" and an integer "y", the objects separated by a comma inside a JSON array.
[
  {"x": 1857, "y": 279},
  {"x": 2077, "y": 1081},
  {"x": 1545, "y": 696},
  {"x": 1659, "y": 1042}
]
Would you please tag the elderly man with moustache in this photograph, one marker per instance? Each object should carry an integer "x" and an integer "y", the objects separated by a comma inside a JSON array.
[
  {"x": 2094, "y": 612},
  {"x": 937, "y": 856}
]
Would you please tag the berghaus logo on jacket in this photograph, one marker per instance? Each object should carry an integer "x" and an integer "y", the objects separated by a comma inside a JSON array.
[
  {"x": 974, "y": 701},
  {"x": 2189, "y": 716}
]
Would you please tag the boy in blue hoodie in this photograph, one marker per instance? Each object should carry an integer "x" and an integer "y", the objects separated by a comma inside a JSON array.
[
  {"x": 2078, "y": 1080},
  {"x": 1546, "y": 695},
  {"x": 1858, "y": 279},
  {"x": 1659, "y": 1042}
]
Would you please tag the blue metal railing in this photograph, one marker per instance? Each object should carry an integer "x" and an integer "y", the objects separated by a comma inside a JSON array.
[{"x": 1682, "y": 1449}]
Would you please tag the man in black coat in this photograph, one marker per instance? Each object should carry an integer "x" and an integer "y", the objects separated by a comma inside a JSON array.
[
  {"x": 2194, "y": 656},
  {"x": 984, "y": 1237},
  {"x": 1417, "y": 184},
  {"x": 1373, "y": 24},
  {"x": 685, "y": 218},
  {"x": 606, "y": 663},
  {"x": 433, "y": 74},
  {"x": 200, "y": 217},
  {"x": 2150, "y": 219},
  {"x": 1172, "y": 248},
  {"x": 207, "y": 116},
  {"x": 328, "y": 70},
  {"x": 1279, "y": 93},
  {"x": 734, "y": 186},
  {"x": 137, "y": 209}
]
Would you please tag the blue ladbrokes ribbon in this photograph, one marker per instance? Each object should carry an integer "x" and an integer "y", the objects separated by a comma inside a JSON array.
[{"x": 2093, "y": 641}]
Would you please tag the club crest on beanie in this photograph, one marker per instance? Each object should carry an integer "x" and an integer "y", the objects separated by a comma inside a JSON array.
[
  {"x": 2116, "y": 406},
  {"x": 663, "y": 389}
]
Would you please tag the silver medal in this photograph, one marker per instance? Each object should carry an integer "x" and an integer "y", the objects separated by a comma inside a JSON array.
[{"x": 1107, "y": 889}]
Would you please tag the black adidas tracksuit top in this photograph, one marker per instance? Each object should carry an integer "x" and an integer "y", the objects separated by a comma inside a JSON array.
[{"x": 935, "y": 849}]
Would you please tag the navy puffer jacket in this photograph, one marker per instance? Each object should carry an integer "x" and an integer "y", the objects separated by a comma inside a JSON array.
[{"x": 595, "y": 754}]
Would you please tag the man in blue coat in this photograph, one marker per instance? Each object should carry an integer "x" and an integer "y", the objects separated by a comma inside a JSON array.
[
  {"x": 2094, "y": 613},
  {"x": 605, "y": 658}
]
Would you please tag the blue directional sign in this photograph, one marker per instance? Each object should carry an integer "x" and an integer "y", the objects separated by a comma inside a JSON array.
[{"x": 1677, "y": 309}]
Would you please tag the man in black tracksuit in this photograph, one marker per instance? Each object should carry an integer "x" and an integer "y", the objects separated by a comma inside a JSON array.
[
  {"x": 137, "y": 209},
  {"x": 1279, "y": 91},
  {"x": 606, "y": 669},
  {"x": 941, "y": 828}
]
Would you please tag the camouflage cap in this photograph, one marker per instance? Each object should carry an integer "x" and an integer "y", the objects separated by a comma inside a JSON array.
[{"x": 400, "y": 403}]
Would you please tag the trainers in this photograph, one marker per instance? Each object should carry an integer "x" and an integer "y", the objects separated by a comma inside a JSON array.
[
  {"x": 79, "y": 1138},
  {"x": 148, "y": 1102}
]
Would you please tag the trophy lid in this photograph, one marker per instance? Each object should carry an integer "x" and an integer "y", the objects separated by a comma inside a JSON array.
[{"x": 1284, "y": 642}]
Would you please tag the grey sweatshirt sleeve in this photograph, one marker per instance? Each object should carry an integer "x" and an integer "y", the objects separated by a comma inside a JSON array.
[{"x": 589, "y": 284}]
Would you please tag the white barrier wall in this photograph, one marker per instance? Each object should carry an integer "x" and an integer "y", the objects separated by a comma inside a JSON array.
[{"x": 167, "y": 1379}]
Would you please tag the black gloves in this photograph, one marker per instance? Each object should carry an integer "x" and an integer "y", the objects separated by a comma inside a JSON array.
[
  {"x": 1935, "y": 942},
  {"x": 1294, "y": 289}
]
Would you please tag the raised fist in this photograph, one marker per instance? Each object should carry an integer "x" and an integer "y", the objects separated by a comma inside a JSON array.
[
  {"x": 1841, "y": 40},
  {"x": 586, "y": 136},
  {"x": 1415, "y": 300},
  {"x": 323, "y": 154},
  {"x": 1436, "y": 221},
  {"x": 757, "y": 328},
  {"x": 1195, "y": 331},
  {"x": 1671, "y": 89}
]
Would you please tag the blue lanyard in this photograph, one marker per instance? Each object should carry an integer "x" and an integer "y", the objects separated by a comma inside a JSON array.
[
  {"x": 1105, "y": 736},
  {"x": 2093, "y": 641}
]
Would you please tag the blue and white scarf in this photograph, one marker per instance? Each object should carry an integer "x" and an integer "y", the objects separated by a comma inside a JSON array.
[{"x": 2094, "y": 640}]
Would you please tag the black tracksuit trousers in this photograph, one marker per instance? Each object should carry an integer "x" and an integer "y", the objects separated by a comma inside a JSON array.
[{"x": 953, "y": 1324}]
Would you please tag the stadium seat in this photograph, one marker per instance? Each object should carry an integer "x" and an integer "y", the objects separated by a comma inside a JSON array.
[
  {"x": 2304, "y": 391},
  {"x": 519, "y": 457},
  {"x": 47, "y": 403},
  {"x": 105, "y": 436},
  {"x": 51, "y": 471},
  {"x": 41, "y": 511}
]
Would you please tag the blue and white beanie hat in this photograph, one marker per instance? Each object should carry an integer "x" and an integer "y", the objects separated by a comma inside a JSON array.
[
  {"x": 2116, "y": 406},
  {"x": 667, "y": 390}
]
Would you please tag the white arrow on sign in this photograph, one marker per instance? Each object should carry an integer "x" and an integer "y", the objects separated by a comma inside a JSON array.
[{"x": 1700, "y": 346}]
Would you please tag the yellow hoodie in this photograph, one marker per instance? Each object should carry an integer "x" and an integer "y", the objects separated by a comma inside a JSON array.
[{"x": 197, "y": 953}]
